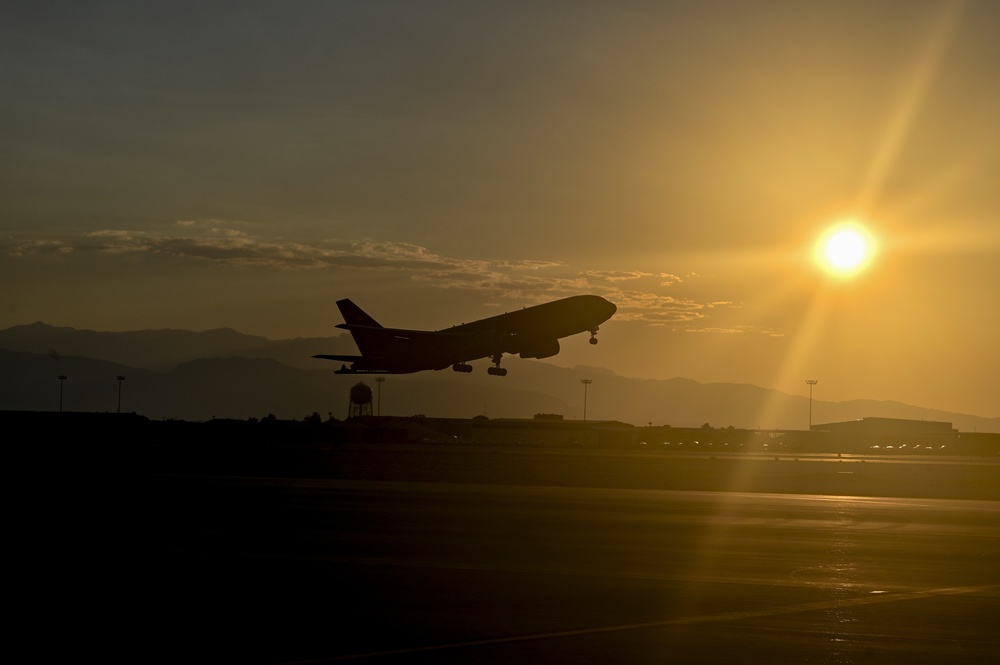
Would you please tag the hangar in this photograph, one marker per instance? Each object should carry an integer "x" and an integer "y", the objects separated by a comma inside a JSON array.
[{"x": 891, "y": 434}]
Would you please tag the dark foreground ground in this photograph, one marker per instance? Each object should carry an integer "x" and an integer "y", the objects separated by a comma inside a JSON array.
[
  {"x": 448, "y": 554},
  {"x": 962, "y": 477}
]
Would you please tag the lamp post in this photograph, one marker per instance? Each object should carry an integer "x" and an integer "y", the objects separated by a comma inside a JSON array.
[
  {"x": 379, "y": 380},
  {"x": 811, "y": 383},
  {"x": 120, "y": 377},
  {"x": 585, "y": 382},
  {"x": 62, "y": 377}
]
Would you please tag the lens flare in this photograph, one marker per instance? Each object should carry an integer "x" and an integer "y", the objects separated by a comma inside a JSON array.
[{"x": 845, "y": 249}]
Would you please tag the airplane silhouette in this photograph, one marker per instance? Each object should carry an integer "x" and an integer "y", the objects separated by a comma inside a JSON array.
[{"x": 532, "y": 332}]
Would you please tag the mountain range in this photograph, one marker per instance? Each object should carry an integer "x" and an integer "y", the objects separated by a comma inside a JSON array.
[{"x": 222, "y": 373}]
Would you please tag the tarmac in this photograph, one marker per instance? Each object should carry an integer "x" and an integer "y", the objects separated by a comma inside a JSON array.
[{"x": 450, "y": 554}]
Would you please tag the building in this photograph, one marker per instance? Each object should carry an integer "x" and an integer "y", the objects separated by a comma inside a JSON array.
[
  {"x": 554, "y": 432},
  {"x": 890, "y": 434}
]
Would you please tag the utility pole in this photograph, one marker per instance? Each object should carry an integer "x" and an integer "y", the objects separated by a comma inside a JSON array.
[
  {"x": 378, "y": 409},
  {"x": 811, "y": 383},
  {"x": 120, "y": 377},
  {"x": 585, "y": 382},
  {"x": 62, "y": 377}
]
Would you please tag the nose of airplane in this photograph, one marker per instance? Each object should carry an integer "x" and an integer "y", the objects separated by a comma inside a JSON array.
[{"x": 609, "y": 308}]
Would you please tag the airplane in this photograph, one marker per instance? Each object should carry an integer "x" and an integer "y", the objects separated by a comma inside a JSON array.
[{"x": 531, "y": 332}]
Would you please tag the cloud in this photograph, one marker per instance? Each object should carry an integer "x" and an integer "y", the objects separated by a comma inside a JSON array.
[
  {"x": 219, "y": 244},
  {"x": 617, "y": 275},
  {"x": 527, "y": 282},
  {"x": 654, "y": 308},
  {"x": 29, "y": 247},
  {"x": 726, "y": 331},
  {"x": 234, "y": 247}
]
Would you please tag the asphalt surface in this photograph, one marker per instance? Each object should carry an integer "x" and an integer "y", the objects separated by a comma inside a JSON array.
[{"x": 450, "y": 556}]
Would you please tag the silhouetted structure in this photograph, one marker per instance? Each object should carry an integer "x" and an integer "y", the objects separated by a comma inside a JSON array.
[
  {"x": 120, "y": 377},
  {"x": 379, "y": 380},
  {"x": 62, "y": 378},
  {"x": 361, "y": 401},
  {"x": 553, "y": 432},
  {"x": 811, "y": 383},
  {"x": 533, "y": 332},
  {"x": 890, "y": 434}
]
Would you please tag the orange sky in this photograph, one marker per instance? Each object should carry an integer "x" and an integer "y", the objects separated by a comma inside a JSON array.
[{"x": 183, "y": 166}]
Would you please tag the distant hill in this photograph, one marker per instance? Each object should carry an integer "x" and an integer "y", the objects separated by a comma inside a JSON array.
[
  {"x": 162, "y": 350},
  {"x": 222, "y": 373}
]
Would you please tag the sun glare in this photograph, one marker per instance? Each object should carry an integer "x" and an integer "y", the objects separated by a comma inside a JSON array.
[{"x": 845, "y": 249}]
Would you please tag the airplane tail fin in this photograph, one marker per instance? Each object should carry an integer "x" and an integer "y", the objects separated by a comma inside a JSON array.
[
  {"x": 354, "y": 315},
  {"x": 364, "y": 329}
]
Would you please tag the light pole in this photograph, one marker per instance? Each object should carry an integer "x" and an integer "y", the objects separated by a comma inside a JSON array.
[
  {"x": 379, "y": 380},
  {"x": 585, "y": 382},
  {"x": 120, "y": 377},
  {"x": 811, "y": 383},
  {"x": 62, "y": 377}
]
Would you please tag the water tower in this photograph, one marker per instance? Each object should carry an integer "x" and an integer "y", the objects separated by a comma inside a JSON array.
[{"x": 361, "y": 401}]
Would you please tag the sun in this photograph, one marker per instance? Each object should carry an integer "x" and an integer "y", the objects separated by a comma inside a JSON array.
[{"x": 845, "y": 249}]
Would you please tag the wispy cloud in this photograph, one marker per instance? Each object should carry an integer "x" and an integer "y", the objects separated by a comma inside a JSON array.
[
  {"x": 28, "y": 247},
  {"x": 617, "y": 275},
  {"x": 656, "y": 308},
  {"x": 725, "y": 331},
  {"x": 235, "y": 247},
  {"x": 529, "y": 281}
]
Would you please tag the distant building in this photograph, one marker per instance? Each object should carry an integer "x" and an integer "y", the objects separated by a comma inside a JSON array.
[
  {"x": 889, "y": 427},
  {"x": 555, "y": 432},
  {"x": 890, "y": 434}
]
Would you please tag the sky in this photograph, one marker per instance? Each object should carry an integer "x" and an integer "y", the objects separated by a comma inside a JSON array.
[{"x": 244, "y": 165}]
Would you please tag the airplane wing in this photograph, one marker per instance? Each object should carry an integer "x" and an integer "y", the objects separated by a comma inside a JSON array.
[{"x": 359, "y": 364}]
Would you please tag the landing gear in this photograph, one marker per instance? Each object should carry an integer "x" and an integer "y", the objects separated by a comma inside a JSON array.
[
  {"x": 593, "y": 336},
  {"x": 496, "y": 370},
  {"x": 462, "y": 367}
]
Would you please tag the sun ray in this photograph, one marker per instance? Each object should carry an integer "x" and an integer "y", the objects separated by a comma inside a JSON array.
[{"x": 899, "y": 124}]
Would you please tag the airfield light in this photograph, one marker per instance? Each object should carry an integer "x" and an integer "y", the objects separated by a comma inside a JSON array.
[
  {"x": 378, "y": 408},
  {"x": 585, "y": 382},
  {"x": 62, "y": 377},
  {"x": 120, "y": 377},
  {"x": 811, "y": 383}
]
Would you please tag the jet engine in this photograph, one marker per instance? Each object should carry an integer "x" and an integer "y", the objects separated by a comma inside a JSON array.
[{"x": 539, "y": 348}]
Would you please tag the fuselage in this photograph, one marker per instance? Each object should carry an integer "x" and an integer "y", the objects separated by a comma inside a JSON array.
[
  {"x": 532, "y": 332},
  {"x": 556, "y": 319}
]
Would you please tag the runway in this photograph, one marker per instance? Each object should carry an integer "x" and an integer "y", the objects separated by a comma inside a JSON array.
[{"x": 282, "y": 570}]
